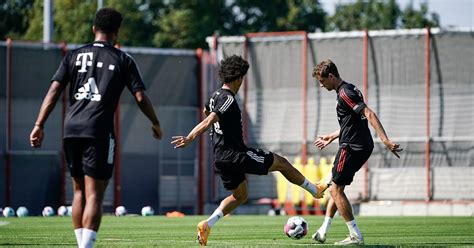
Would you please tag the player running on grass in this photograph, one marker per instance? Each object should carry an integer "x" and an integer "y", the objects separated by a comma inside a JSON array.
[
  {"x": 233, "y": 159},
  {"x": 96, "y": 73},
  {"x": 355, "y": 147}
]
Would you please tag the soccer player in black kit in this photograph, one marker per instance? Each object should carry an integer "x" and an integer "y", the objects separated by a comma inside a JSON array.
[
  {"x": 97, "y": 74},
  {"x": 232, "y": 158},
  {"x": 355, "y": 147}
]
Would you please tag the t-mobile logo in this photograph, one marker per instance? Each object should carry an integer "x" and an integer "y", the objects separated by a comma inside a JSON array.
[
  {"x": 83, "y": 60},
  {"x": 88, "y": 91}
]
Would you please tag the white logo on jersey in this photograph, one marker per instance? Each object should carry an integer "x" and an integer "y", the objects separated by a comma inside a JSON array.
[
  {"x": 83, "y": 60},
  {"x": 88, "y": 91}
]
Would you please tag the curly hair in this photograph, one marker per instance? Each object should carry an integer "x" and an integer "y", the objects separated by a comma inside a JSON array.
[
  {"x": 232, "y": 68},
  {"x": 108, "y": 20},
  {"x": 324, "y": 68}
]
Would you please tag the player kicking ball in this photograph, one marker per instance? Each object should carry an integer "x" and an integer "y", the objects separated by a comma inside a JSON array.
[
  {"x": 233, "y": 159},
  {"x": 355, "y": 147}
]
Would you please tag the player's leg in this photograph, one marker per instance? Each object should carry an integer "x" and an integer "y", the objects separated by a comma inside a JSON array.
[
  {"x": 294, "y": 176},
  {"x": 73, "y": 149},
  {"x": 347, "y": 163},
  {"x": 95, "y": 190},
  {"x": 233, "y": 178},
  {"x": 78, "y": 203},
  {"x": 320, "y": 234},
  {"x": 98, "y": 161}
]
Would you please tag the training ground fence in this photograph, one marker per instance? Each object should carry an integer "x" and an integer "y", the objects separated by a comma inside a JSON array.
[{"x": 419, "y": 82}]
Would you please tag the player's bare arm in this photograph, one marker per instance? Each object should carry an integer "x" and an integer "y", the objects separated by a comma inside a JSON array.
[
  {"x": 204, "y": 125},
  {"x": 147, "y": 108},
  {"x": 324, "y": 140},
  {"x": 50, "y": 100},
  {"x": 375, "y": 123}
]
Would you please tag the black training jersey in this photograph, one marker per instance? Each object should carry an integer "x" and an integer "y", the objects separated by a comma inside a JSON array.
[
  {"x": 227, "y": 132},
  {"x": 98, "y": 73},
  {"x": 354, "y": 128}
]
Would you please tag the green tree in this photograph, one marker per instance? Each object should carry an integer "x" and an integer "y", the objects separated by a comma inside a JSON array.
[
  {"x": 374, "y": 14},
  {"x": 419, "y": 19},
  {"x": 276, "y": 15},
  {"x": 187, "y": 23},
  {"x": 14, "y": 18}
]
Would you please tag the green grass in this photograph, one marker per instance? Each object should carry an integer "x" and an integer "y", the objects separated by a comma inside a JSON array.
[{"x": 236, "y": 231}]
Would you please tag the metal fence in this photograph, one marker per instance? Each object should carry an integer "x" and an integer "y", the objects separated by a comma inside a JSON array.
[
  {"x": 419, "y": 82},
  {"x": 147, "y": 172}
]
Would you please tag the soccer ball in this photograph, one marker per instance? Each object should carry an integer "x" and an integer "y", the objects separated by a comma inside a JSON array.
[
  {"x": 69, "y": 210},
  {"x": 296, "y": 227},
  {"x": 47, "y": 211},
  {"x": 120, "y": 211},
  {"x": 22, "y": 212},
  {"x": 62, "y": 211},
  {"x": 8, "y": 212},
  {"x": 147, "y": 211}
]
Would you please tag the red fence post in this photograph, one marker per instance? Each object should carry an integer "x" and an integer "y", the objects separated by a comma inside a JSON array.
[
  {"x": 117, "y": 171},
  {"x": 8, "y": 186},
  {"x": 365, "y": 89},
  {"x": 304, "y": 156},
  {"x": 63, "y": 115},
  {"x": 427, "y": 114},
  {"x": 200, "y": 193}
]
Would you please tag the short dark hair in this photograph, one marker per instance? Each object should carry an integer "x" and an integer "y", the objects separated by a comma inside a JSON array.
[
  {"x": 324, "y": 68},
  {"x": 232, "y": 68},
  {"x": 108, "y": 20}
]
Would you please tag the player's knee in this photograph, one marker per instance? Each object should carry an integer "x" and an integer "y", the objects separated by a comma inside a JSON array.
[
  {"x": 95, "y": 197},
  {"x": 281, "y": 163},
  {"x": 336, "y": 190},
  {"x": 241, "y": 197}
]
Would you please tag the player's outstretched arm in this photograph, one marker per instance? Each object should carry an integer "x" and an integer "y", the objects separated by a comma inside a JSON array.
[
  {"x": 147, "y": 108},
  {"x": 50, "y": 100},
  {"x": 204, "y": 125},
  {"x": 375, "y": 123},
  {"x": 324, "y": 140}
]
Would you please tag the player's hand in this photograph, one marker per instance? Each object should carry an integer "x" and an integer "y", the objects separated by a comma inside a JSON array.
[
  {"x": 322, "y": 141},
  {"x": 157, "y": 133},
  {"x": 180, "y": 141},
  {"x": 36, "y": 137},
  {"x": 393, "y": 147}
]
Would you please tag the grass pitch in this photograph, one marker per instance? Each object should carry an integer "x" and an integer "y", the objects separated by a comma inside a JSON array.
[{"x": 236, "y": 231}]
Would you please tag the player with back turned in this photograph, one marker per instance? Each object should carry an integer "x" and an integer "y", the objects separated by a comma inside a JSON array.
[{"x": 96, "y": 73}]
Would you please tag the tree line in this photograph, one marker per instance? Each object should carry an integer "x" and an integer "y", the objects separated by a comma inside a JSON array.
[{"x": 186, "y": 23}]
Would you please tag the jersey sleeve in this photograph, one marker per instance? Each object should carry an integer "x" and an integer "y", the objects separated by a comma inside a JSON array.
[
  {"x": 353, "y": 99},
  {"x": 133, "y": 77},
  {"x": 63, "y": 74},
  {"x": 222, "y": 104}
]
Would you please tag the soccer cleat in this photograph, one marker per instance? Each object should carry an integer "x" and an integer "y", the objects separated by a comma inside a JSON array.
[
  {"x": 321, "y": 238},
  {"x": 203, "y": 231},
  {"x": 321, "y": 187},
  {"x": 351, "y": 240}
]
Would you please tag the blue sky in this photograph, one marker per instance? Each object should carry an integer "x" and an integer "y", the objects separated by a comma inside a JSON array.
[{"x": 458, "y": 13}]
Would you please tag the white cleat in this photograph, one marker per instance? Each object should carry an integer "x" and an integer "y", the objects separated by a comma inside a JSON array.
[
  {"x": 321, "y": 238},
  {"x": 351, "y": 240}
]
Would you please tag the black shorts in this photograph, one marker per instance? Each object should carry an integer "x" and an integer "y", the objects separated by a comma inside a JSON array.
[
  {"x": 347, "y": 163},
  {"x": 253, "y": 161},
  {"x": 91, "y": 157}
]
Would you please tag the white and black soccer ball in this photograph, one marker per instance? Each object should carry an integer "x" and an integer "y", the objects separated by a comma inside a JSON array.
[
  {"x": 120, "y": 211},
  {"x": 62, "y": 211},
  {"x": 296, "y": 227},
  {"x": 147, "y": 211},
  {"x": 22, "y": 212},
  {"x": 8, "y": 212},
  {"x": 47, "y": 211}
]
